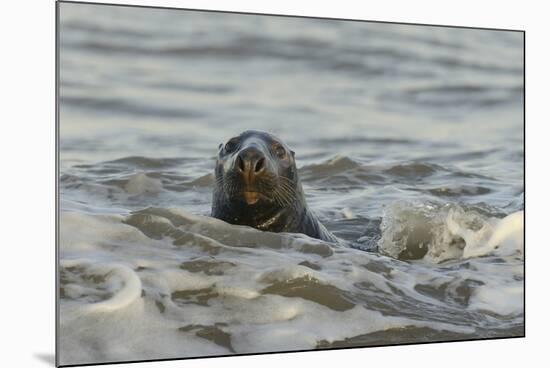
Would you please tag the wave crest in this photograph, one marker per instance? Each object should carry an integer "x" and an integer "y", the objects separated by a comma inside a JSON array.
[{"x": 438, "y": 233}]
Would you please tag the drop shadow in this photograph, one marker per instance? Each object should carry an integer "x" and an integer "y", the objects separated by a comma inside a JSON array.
[{"x": 46, "y": 358}]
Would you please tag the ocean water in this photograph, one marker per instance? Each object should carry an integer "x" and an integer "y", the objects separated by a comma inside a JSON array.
[{"x": 409, "y": 144}]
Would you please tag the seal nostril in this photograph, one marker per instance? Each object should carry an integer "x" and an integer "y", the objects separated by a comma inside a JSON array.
[
  {"x": 240, "y": 163},
  {"x": 260, "y": 164}
]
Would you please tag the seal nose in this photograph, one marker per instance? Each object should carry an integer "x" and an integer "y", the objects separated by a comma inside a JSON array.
[{"x": 251, "y": 162}]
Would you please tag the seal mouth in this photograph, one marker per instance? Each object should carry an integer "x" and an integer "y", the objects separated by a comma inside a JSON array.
[{"x": 251, "y": 197}]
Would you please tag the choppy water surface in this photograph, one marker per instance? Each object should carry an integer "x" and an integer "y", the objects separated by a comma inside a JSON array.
[{"x": 409, "y": 143}]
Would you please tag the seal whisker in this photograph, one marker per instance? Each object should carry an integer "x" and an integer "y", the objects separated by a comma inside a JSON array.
[
  {"x": 284, "y": 192},
  {"x": 286, "y": 199},
  {"x": 289, "y": 193},
  {"x": 278, "y": 199},
  {"x": 286, "y": 196}
]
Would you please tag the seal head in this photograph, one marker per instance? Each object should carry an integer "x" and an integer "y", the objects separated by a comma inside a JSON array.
[{"x": 257, "y": 184}]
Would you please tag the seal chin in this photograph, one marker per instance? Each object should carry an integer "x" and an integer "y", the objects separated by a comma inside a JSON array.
[{"x": 251, "y": 197}]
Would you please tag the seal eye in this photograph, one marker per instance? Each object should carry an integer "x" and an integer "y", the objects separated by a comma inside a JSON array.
[
  {"x": 230, "y": 146},
  {"x": 279, "y": 151}
]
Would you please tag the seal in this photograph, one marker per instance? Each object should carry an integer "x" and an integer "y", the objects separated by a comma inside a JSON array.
[{"x": 257, "y": 184}]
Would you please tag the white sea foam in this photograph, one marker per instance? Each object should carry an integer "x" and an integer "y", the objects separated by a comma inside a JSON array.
[
  {"x": 166, "y": 283},
  {"x": 440, "y": 233},
  {"x": 506, "y": 238}
]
